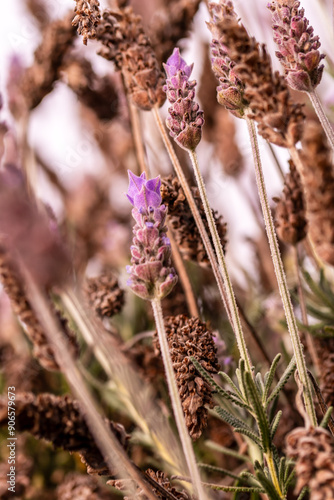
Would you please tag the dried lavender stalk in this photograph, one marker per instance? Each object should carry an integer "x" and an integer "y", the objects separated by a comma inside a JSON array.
[
  {"x": 299, "y": 54},
  {"x": 126, "y": 44},
  {"x": 87, "y": 18}
]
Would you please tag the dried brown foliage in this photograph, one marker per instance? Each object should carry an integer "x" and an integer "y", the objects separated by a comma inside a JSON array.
[
  {"x": 104, "y": 295},
  {"x": 183, "y": 224},
  {"x": 190, "y": 337},
  {"x": 87, "y": 18}
]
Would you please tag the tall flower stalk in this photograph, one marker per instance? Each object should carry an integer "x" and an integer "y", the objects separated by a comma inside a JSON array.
[
  {"x": 185, "y": 121},
  {"x": 152, "y": 278}
]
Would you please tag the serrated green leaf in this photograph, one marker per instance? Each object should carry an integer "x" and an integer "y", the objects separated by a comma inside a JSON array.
[
  {"x": 231, "y": 419},
  {"x": 302, "y": 493},
  {"x": 259, "y": 413},
  {"x": 282, "y": 381},
  {"x": 326, "y": 418},
  {"x": 288, "y": 480},
  {"x": 231, "y": 384},
  {"x": 259, "y": 384},
  {"x": 281, "y": 470},
  {"x": 271, "y": 374},
  {"x": 267, "y": 486},
  {"x": 274, "y": 424},
  {"x": 254, "y": 437}
]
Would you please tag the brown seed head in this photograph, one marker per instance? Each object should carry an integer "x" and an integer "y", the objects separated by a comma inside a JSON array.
[
  {"x": 87, "y": 18},
  {"x": 104, "y": 295}
]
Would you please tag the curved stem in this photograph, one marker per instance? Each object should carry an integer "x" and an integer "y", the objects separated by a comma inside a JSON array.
[
  {"x": 175, "y": 399},
  {"x": 236, "y": 323},
  {"x": 194, "y": 210},
  {"x": 280, "y": 275},
  {"x": 314, "y": 98}
]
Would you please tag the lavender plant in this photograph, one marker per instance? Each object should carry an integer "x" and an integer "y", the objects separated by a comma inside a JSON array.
[{"x": 151, "y": 366}]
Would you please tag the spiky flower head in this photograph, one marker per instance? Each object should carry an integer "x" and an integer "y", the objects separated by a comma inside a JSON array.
[
  {"x": 297, "y": 46},
  {"x": 230, "y": 92},
  {"x": 151, "y": 274},
  {"x": 185, "y": 120}
]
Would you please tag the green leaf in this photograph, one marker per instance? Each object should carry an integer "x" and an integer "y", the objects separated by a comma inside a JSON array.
[
  {"x": 282, "y": 381},
  {"x": 281, "y": 470},
  {"x": 261, "y": 417},
  {"x": 326, "y": 418},
  {"x": 231, "y": 419},
  {"x": 254, "y": 437},
  {"x": 289, "y": 479},
  {"x": 238, "y": 489},
  {"x": 319, "y": 291},
  {"x": 223, "y": 472},
  {"x": 302, "y": 493},
  {"x": 259, "y": 384},
  {"x": 267, "y": 485},
  {"x": 274, "y": 424},
  {"x": 269, "y": 377},
  {"x": 226, "y": 451},
  {"x": 231, "y": 384}
]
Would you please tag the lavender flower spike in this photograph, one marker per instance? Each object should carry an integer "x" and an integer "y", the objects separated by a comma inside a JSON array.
[
  {"x": 151, "y": 274},
  {"x": 185, "y": 120},
  {"x": 297, "y": 47}
]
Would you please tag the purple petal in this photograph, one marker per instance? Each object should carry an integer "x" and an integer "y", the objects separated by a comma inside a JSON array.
[
  {"x": 154, "y": 184},
  {"x": 147, "y": 198},
  {"x": 175, "y": 63},
  {"x": 135, "y": 185}
]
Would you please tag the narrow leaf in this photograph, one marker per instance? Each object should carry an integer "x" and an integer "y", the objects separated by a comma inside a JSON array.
[
  {"x": 224, "y": 472},
  {"x": 261, "y": 417},
  {"x": 270, "y": 377},
  {"x": 226, "y": 451},
  {"x": 302, "y": 493},
  {"x": 274, "y": 424},
  {"x": 267, "y": 486},
  {"x": 254, "y": 437},
  {"x": 231, "y": 419},
  {"x": 282, "y": 381},
  {"x": 326, "y": 418},
  {"x": 231, "y": 384}
]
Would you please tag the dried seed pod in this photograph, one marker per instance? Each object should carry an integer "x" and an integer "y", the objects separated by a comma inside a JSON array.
[
  {"x": 38, "y": 80},
  {"x": 247, "y": 81},
  {"x": 290, "y": 210},
  {"x": 87, "y": 18},
  {"x": 14, "y": 288},
  {"x": 82, "y": 487},
  {"x": 97, "y": 93},
  {"x": 104, "y": 295},
  {"x": 170, "y": 24},
  {"x": 183, "y": 224},
  {"x": 318, "y": 182},
  {"x": 190, "y": 337},
  {"x": 126, "y": 44},
  {"x": 313, "y": 450},
  {"x": 58, "y": 419}
]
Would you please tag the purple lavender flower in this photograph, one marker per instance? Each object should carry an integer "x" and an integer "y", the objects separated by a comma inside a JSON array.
[
  {"x": 298, "y": 48},
  {"x": 151, "y": 274},
  {"x": 185, "y": 120}
]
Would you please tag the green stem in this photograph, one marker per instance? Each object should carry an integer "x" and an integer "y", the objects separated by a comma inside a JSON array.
[
  {"x": 314, "y": 98},
  {"x": 236, "y": 323},
  {"x": 176, "y": 401},
  {"x": 280, "y": 275},
  {"x": 273, "y": 473}
]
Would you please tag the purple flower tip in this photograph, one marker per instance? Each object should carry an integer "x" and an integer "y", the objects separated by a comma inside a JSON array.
[
  {"x": 144, "y": 194},
  {"x": 175, "y": 63}
]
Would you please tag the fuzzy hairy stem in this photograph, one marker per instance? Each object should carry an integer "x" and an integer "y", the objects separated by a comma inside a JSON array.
[
  {"x": 110, "y": 448},
  {"x": 316, "y": 103},
  {"x": 194, "y": 210},
  {"x": 236, "y": 323},
  {"x": 280, "y": 275},
  {"x": 176, "y": 401}
]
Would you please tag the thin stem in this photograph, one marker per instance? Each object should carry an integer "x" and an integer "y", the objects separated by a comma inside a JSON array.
[
  {"x": 309, "y": 339},
  {"x": 236, "y": 323},
  {"x": 183, "y": 275},
  {"x": 175, "y": 399},
  {"x": 138, "y": 140},
  {"x": 194, "y": 210},
  {"x": 280, "y": 275},
  {"x": 110, "y": 448},
  {"x": 314, "y": 98}
]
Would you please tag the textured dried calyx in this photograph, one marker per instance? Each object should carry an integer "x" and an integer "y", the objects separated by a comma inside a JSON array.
[
  {"x": 313, "y": 450},
  {"x": 247, "y": 65},
  {"x": 104, "y": 295},
  {"x": 318, "y": 182},
  {"x": 290, "y": 210},
  {"x": 190, "y": 337},
  {"x": 87, "y": 18},
  {"x": 58, "y": 419},
  {"x": 125, "y": 43},
  {"x": 183, "y": 224}
]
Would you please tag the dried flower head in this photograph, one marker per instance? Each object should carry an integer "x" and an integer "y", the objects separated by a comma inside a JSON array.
[
  {"x": 87, "y": 18},
  {"x": 290, "y": 210},
  {"x": 104, "y": 295},
  {"x": 297, "y": 46},
  {"x": 190, "y": 337},
  {"x": 318, "y": 181},
  {"x": 125, "y": 43},
  {"x": 250, "y": 82},
  {"x": 183, "y": 224},
  {"x": 313, "y": 450},
  {"x": 185, "y": 120},
  {"x": 151, "y": 274}
]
